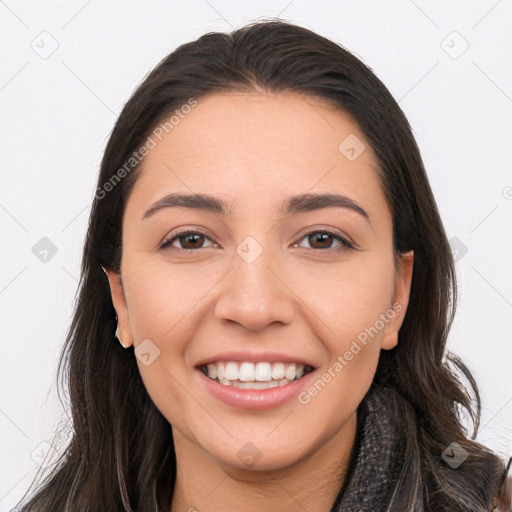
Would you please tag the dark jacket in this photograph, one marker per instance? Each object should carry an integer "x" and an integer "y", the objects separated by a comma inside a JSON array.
[{"x": 378, "y": 459}]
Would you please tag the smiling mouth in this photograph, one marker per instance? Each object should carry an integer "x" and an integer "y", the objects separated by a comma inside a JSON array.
[{"x": 248, "y": 375}]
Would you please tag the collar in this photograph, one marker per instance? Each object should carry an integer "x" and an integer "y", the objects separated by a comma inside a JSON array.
[{"x": 377, "y": 458}]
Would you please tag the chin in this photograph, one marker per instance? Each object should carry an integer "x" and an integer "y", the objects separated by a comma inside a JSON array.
[{"x": 258, "y": 456}]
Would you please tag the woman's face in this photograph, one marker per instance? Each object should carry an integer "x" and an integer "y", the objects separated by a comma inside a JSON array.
[{"x": 265, "y": 278}]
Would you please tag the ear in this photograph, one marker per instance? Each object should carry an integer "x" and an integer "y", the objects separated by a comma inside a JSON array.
[
  {"x": 403, "y": 278},
  {"x": 118, "y": 300}
]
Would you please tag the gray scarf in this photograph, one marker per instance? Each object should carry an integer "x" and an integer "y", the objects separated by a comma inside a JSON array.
[{"x": 377, "y": 459}]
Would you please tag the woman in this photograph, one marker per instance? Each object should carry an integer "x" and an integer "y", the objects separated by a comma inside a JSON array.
[{"x": 261, "y": 371}]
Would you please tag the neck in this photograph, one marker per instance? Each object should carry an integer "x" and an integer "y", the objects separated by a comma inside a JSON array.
[{"x": 203, "y": 484}]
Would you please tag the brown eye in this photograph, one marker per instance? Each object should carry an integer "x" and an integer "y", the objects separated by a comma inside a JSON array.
[
  {"x": 188, "y": 240},
  {"x": 324, "y": 240},
  {"x": 192, "y": 241}
]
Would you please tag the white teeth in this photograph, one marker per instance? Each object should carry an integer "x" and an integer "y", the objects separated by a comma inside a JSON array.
[
  {"x": 248, "y": 375},
  {"x": 255, "y": 385},
  {"x": 246, "y": 372},
  {"x": 278, "y": 371},
  {"x": 212, "y": 370},
  {"x": 263, "y": 372},
  {"x": 289, "y": 372},
  {"x": 231, "y": 371}
]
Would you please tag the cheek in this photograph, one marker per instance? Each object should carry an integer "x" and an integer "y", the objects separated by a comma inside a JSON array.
[
  {"x": 349, "y": 309},
  {"x": 163, "y": 307},
  {"x": 164, "y": 301},
  {"x": 349, "y": 297}
]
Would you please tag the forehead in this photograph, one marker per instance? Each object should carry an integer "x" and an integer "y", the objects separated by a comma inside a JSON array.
[
  {"x": 237, "y": 124},
  {"x": 248, "y": 146}
]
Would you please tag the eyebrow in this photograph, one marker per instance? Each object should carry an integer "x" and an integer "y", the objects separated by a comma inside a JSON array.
[{"x": 294, "y": 204}]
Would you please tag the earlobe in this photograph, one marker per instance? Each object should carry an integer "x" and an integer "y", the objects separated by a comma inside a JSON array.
[
  {"x": 123, "y": 331},
  {"x": 398, "y": 308}
]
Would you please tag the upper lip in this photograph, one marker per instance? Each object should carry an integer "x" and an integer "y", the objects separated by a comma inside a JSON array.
[{"x": 270, "y": 357}]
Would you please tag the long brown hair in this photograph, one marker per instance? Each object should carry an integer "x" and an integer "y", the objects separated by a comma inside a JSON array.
[{"x": 120, "y": 456}]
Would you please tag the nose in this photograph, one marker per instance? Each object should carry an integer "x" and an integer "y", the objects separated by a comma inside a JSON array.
[{"x": 255, "y": 295}]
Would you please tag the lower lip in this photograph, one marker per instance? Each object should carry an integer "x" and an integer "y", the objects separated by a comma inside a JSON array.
[{"x": 255, "y": 399}]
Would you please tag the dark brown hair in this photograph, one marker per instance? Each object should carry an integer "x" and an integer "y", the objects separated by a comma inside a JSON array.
[{"x": 120, "y": 455}]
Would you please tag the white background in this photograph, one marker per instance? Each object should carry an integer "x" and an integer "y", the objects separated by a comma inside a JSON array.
[{"x": 57, "y": 112}]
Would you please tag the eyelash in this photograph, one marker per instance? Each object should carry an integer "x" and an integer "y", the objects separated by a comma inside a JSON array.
[{"x": 345, "y": 243}]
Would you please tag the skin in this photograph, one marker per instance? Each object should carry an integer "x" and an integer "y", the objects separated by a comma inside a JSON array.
[{"x": 254, "y": 150}]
